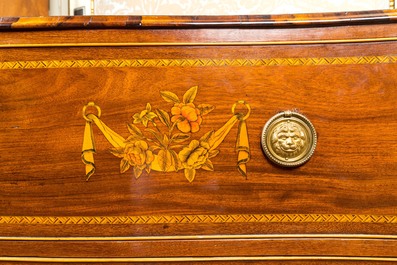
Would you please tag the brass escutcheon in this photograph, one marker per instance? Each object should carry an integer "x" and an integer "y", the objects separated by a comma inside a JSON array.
[{"x": 289, "y": 139}]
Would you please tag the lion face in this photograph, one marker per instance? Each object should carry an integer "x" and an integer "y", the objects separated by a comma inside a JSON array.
[{"x": 288, "y": 139}]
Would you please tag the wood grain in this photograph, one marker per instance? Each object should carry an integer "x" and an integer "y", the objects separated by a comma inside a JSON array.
[
  {"x": 345, "y": 89},
  {"x": 268, "y": 21},
  {"x": 24, "y": 8}
]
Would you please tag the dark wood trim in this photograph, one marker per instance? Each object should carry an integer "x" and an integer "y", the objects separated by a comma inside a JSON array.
[{"x": 258, "y": 21}]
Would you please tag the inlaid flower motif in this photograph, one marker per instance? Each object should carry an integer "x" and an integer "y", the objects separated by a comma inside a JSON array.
[
  {"x": 137, "y": 155},
  {"x": 162, "y": 154},
  {"x": 187, "y": 116},
  {"x": 195, "y": 155},
  {"x": 145, "y": 116}
]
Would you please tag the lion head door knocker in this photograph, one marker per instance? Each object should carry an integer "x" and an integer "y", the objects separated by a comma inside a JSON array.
[{"x": 289, "y": 139}]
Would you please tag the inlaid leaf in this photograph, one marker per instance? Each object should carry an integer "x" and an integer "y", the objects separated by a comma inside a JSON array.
[
  {"x": 118, "y": 152},
  {"x": 213, "y": 153},
  {"x": 164, "y": 117},
  {"x": 190, "y": 95},
  {"x": 208, "y": 166},
  {"x": 190, "y": 173},
  {"x": 166, "y": 140},
  {"x": 180, "y": 137},
  {"x": 148, "y": 107},
  {"x": 207, "y": 136},
  {"x": 164, "y": 159},
  {"x": 205, "y": 108},
  {"x": 154, "y": 148},
  {"x": 177, "y": 146},
  {"x": 176, "y": 162},
  {"x": 124, "y": 165},
  {"x": 156, "y": 134},
  {"x": 137, "y": 172},
  {"x": 169, "y": 97},
  {"x": 134, "y": 130},
  {"x": 133, "y": 138}
]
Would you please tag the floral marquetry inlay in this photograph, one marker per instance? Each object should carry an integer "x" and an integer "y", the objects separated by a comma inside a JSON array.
[{"x": 166, "y": 141}]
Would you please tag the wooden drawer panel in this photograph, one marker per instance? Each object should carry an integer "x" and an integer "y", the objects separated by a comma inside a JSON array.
[{"x": 168, "y": 113}]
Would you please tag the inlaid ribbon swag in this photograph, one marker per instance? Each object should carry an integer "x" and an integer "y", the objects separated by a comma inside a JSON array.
[{"x": 154, "y": 149}]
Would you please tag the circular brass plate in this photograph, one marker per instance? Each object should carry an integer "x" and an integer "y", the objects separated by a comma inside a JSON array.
[{"x": 289, "y": 139}]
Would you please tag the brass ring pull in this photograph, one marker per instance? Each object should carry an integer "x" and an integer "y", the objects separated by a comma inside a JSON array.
[{"x": 289, "y": 139}]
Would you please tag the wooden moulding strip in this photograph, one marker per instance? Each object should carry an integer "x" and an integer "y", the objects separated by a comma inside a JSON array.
[
  {"x": 201, "y": 259},
  {"x": 236, "y": 21},
  {"x": 196, "y": 259},
  {"x": 204, "y": 237},
  {"x": 173, "y": 44}
]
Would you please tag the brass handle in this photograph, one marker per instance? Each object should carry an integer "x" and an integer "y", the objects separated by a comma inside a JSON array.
[{"x": 289, "y": 139}]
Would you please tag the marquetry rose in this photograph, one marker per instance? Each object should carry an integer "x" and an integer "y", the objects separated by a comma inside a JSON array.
[
  {"x": 197, "y": 155},
  {"x": 137, "y": 155},
  {"x": 194, "y": 155}
]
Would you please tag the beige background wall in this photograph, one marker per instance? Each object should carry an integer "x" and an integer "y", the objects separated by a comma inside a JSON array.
[{"x": 232, "y": 7}]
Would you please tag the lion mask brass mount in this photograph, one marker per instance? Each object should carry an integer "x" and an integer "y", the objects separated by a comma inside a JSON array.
[
  {"x": 289, "y": 139},
  {"x": 163, "y": 144}
]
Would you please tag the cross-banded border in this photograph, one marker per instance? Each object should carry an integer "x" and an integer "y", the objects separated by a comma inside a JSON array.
[
  {"x": 198, "y": 62},
  {"x": 196, "y": 219}
]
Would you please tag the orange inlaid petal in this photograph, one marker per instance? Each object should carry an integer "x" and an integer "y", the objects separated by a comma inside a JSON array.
[
  {"x": 175, "y": 110},
  {"x": 184, "y": 126},
  {"x": 175, "y": 118},
  {"x": 189, "y": 113},
  {"x": 195, "y": 126},
  {"x": 199, "y": 119}
]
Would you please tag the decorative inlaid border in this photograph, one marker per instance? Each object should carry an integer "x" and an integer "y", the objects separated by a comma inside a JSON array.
[
  {"x": 203, "y": 237},
  {"x": 199, "y": 62},
  {"x": 198, "y": 238},
  {"x": 197, "y": 219},
  {"x": 196, "y": 259}
]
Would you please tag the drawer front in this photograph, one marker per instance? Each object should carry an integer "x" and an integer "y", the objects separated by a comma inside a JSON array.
[{"x": 151, "y": 152}]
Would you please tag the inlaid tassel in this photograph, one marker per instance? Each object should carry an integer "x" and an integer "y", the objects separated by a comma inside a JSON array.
[
  {"x": 242, "y": 148},
  {"x": 87, "y": 155},
  {"x": 89, "y": 150}
]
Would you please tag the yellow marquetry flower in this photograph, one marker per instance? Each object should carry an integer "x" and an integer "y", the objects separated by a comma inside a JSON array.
[
  {"x": 145, "y": 116},
  {"x": 194, "y": 156},
  {"x": 137, "y": 155}
]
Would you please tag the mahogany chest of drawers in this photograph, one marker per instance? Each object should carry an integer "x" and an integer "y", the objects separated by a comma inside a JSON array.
[{"x": 142, "y": 139}]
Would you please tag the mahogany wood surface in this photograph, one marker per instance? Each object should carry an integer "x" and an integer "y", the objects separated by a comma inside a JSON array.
[{"x": 339, "y": 70}]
